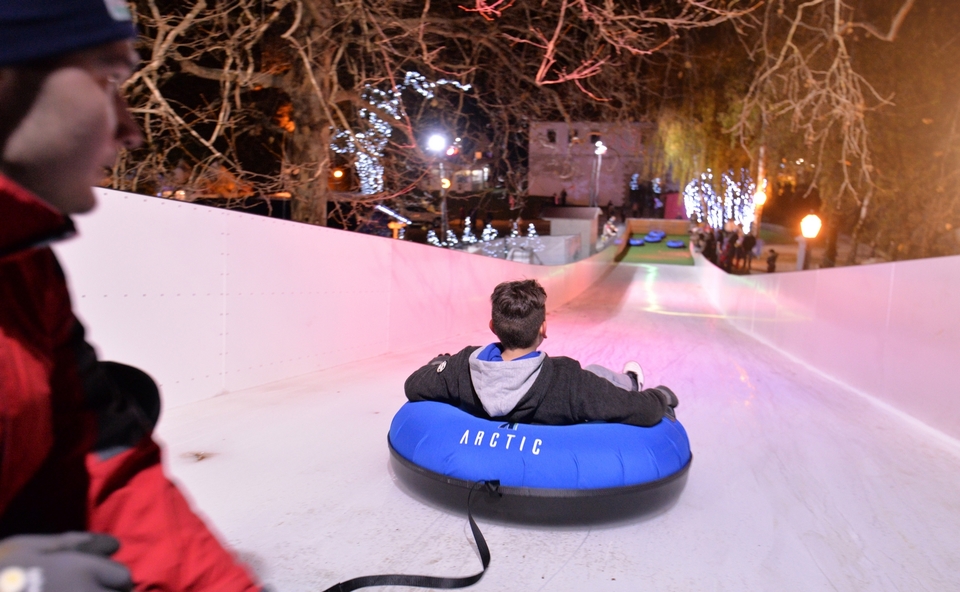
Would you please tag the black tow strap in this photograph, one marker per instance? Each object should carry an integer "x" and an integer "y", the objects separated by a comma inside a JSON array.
[{"x": 493, "y": 488}]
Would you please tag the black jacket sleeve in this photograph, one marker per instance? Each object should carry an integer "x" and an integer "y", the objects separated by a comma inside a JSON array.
[
  {"x": 575, "y": 395},
  {"x": 446, "y": 379}
]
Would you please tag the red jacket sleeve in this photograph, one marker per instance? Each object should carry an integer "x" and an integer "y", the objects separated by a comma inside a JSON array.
[{"x": 165, "y": 545}]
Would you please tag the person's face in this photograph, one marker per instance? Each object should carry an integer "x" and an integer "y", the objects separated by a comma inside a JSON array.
[{"x": 66, "y": 122}]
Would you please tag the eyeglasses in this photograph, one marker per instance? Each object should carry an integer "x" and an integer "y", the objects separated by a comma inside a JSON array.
[
  {"x": 108, "y": 72},
  {"x": 111, "y": 83}
]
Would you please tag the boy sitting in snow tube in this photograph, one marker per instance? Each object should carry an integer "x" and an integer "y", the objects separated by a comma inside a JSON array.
[{"x": 511, "y": 381}]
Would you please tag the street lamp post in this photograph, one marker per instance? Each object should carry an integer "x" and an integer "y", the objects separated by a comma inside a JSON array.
[
  {"x": 438, "y": 145},
  {"x": 809, "y": 229},
  {"x": 595, "y": 194}
]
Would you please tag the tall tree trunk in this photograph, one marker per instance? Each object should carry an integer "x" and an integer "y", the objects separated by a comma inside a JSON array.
[
  {"x": 308, "y": 166},
  {"x": 855, "y": 235}
]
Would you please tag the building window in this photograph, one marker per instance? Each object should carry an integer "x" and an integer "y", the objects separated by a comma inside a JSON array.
[
  {"x": 594, "y": 138},
  {"x": 552, "y": 136},
  {"x": 574, "y": 137}
]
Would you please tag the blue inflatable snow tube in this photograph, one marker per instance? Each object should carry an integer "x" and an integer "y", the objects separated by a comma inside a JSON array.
[
  {"x": 636, "y": 242},
  {"x": 654, "y": 237},
  {"x": 675, "y": 244},
  {"x": 537, "y": 460}
]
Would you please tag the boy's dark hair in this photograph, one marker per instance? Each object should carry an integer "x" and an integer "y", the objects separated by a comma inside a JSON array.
[{"x": 519, "y": 308}]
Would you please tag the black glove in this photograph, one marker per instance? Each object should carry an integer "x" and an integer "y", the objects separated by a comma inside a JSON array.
[
  {"x": 669, "y": 401},
  {"x": 68, "y": 562}
]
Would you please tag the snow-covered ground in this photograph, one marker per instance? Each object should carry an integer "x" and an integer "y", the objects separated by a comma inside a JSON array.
[{"x": 797, "y": 483}]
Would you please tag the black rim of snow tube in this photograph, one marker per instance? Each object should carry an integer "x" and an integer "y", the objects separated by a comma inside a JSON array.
[{"x": 540, "y": 492}]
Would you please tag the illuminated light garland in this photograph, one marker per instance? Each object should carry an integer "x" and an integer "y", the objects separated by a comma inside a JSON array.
[
  {"x": 514, "y": 230},
  {"x": 489, "y": 233},
  {"x": 451, "y": 239},
  {"x": 368, "y": 145},
  {"x": 419, "y": 83},
  {"x": 468, "y": 237},
  {"x": 635, "y": 182},
  {"x": 432, "y": 238}
]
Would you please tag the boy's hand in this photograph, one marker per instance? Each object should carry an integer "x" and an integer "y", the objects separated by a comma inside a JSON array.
[
  {"x": 669, "y": 400},
  {"x": 68, "y": 562}
]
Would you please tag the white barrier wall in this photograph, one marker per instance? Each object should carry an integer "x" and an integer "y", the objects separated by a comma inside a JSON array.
[
  {"x": 891, "y": 330},
  {"x": 211, "y": 301}
]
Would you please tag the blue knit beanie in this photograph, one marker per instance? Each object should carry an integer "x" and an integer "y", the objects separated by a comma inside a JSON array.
[{"x": 35, "y": 29}]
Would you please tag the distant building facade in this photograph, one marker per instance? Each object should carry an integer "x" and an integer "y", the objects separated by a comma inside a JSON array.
[{"x": 563, "y": 157}]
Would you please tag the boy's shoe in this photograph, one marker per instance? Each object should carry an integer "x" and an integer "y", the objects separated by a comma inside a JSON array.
[{"x": 635, "y": 372}]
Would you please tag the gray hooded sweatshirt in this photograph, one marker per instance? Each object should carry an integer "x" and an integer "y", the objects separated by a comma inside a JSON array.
[{"x": 501, "y": 385}]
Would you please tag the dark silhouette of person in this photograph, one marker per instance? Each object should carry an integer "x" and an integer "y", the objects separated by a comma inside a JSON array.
[
  {"x": 772, "y": 261},
  {"x": 749, "y": 243},
  {"x": 710, "y": 248}
]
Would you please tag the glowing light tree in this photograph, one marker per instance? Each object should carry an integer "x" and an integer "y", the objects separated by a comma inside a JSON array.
[
  {"x": 736, "y": 202},
  {"x": 533, "y": 239},
  {"x": 739, "y": 192},
  {"x": 489, "y": 233},
  {"x": 701, "y": 201},
  {"x": 468, "y": 237},
  {"x": 451, "y": 238}
]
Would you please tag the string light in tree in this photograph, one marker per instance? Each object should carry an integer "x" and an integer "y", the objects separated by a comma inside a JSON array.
[
  {"x": 432, "y": 238},
  {"x": 419, "y": 83},
  {"x": 738, "y": 198},
  {"x": 736, "y": 203},
  {"x": 701, "y": 201},
  {"x": 489, "y": 233},
  {"x": 368, "y": 144}
]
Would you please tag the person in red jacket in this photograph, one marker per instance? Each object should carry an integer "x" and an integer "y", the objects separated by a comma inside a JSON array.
[{"x": 84, "y": 503}]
